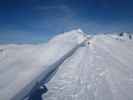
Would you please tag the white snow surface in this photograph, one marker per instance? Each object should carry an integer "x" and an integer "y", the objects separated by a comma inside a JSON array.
[
  {"x": 100, "y": 70},
  {"x": 20, "y": 65}
]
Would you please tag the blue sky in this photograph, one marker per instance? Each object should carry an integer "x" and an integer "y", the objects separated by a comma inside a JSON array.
[{"x": 33, "y": 21}]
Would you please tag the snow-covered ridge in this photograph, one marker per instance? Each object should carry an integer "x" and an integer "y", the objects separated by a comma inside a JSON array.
[
  {"x": 101, "y": 69},
  {"x": 20, "y": 65},
  {"x": 76, "y": 36}
]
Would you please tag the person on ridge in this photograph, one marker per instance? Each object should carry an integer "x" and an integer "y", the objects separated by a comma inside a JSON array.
[{"x": 37, "y": 94}]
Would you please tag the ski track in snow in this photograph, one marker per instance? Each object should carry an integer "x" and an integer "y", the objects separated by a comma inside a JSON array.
[{"x": 101, "y": 71}]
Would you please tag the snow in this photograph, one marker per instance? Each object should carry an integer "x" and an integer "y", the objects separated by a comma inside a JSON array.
[
  {"x": 101, "y": 70},
  {"x": 20, "y": 65}
]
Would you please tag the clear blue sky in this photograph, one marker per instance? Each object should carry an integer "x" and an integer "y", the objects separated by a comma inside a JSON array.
[{"x": 33, "y": 21}]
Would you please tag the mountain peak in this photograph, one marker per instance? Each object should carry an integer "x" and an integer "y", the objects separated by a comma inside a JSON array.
[{"x": 78, "y": 30}]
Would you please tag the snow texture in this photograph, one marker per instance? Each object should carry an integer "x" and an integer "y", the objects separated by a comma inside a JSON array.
[
  {"x": 92, "y": 68},
  {"x": 22, "y": 65},
  {"x": 101, "y": 70}
]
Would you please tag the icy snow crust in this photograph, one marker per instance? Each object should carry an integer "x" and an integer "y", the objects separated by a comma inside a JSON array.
[{"x": 100, "y": 70}]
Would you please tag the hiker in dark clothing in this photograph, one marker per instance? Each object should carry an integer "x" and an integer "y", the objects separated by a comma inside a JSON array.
[
  {"x": 121, "y": 34},
  {"x": 37, "y": 95},
  {"x": 130, "y": 36}
]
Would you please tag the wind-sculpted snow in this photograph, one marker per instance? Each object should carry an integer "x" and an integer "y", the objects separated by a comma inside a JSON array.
[{"x": 21, "y": 65}]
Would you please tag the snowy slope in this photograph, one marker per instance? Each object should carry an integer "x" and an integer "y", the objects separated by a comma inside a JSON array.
[
  {"x": 22, "y": 65},
  {"x": 99, "y": 71}
]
